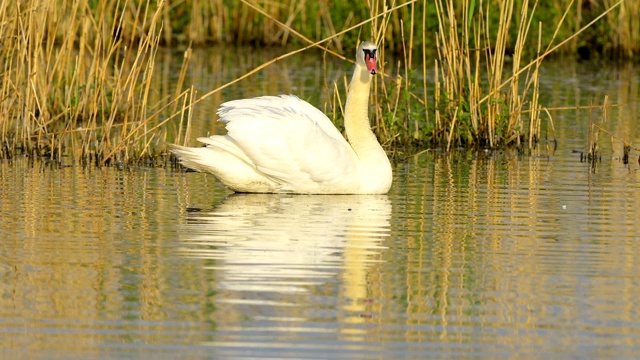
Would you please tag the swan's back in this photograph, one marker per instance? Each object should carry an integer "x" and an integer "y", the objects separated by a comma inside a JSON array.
[{"x": 276, "y": 144}]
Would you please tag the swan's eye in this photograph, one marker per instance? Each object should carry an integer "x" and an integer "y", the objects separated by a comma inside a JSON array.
[{"x": 369, "y": 54}]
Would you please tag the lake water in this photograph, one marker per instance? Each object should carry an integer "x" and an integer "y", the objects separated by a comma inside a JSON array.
[{"x": 487, "y": 255}]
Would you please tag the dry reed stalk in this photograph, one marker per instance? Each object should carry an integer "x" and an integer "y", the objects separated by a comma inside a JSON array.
[
  {"x": 625, "y": 142},
  {"x": 336, "y": 99},
  {"x": 516, "y": 98},
  {"x": 438, "y": 121},
  {"x": 534, "y": 118},
  {"x": 424, "y": 69},
  {"x": 453, "y": 125},
  {"x": 592, "y": 153},
  {"x": 408, "y": 65},
  {"x": 496, "y": 59}
]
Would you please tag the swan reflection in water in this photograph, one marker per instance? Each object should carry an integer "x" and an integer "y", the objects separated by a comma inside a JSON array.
[{"x": 280, "y": 250}]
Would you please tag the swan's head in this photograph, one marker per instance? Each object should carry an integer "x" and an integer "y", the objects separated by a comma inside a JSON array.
[{"x": 367, "y": 56}]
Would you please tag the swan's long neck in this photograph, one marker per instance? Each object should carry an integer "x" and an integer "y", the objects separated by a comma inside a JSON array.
[{"x": 356, "y": 119}]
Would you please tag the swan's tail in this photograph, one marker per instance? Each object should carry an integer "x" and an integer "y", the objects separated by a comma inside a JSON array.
[
  {"x": 219, "y": 152},
  {"x": 232, "y": 171},
  {"x": 195, "y": 158}
]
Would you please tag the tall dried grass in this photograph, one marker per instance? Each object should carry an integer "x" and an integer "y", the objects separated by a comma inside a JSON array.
[
  {"x": 472, "y": 104},
  {"x": 482, "y": 97},
  {"x": 85, "y": 95}
]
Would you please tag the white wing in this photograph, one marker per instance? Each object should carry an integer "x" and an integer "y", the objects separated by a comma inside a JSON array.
[{"x": 289, "y": 140}]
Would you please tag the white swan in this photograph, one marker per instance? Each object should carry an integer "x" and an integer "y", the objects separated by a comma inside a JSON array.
[{"x": 281, "y": 144}]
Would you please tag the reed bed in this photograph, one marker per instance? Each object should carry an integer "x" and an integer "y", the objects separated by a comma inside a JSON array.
[
  {"x": 235, "y": 22},
  {"x": 219, "y": 21},
  {"x": 486, "y": 87},
  {"x": 76, "y": 81},
  {"x": 85, "y": 96}
]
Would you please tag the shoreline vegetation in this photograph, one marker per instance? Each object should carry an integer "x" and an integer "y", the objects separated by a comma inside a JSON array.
[{"x": 76, "y": 80}]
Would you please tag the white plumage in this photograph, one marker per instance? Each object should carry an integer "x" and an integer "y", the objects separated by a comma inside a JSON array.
[{"x": 283, "y": 144}]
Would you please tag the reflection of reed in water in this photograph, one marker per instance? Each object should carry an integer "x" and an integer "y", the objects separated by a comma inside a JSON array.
[{"x": 286, "y": 243}]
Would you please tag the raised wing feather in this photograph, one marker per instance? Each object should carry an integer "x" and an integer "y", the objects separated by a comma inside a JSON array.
[{"x": 289, "y": 140}]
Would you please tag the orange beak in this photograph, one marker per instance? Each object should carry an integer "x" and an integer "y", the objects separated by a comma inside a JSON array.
[{"x": 371, "y": 60}]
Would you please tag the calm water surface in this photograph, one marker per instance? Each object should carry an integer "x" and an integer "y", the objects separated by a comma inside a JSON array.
[{"x": 470, "y": 255}]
